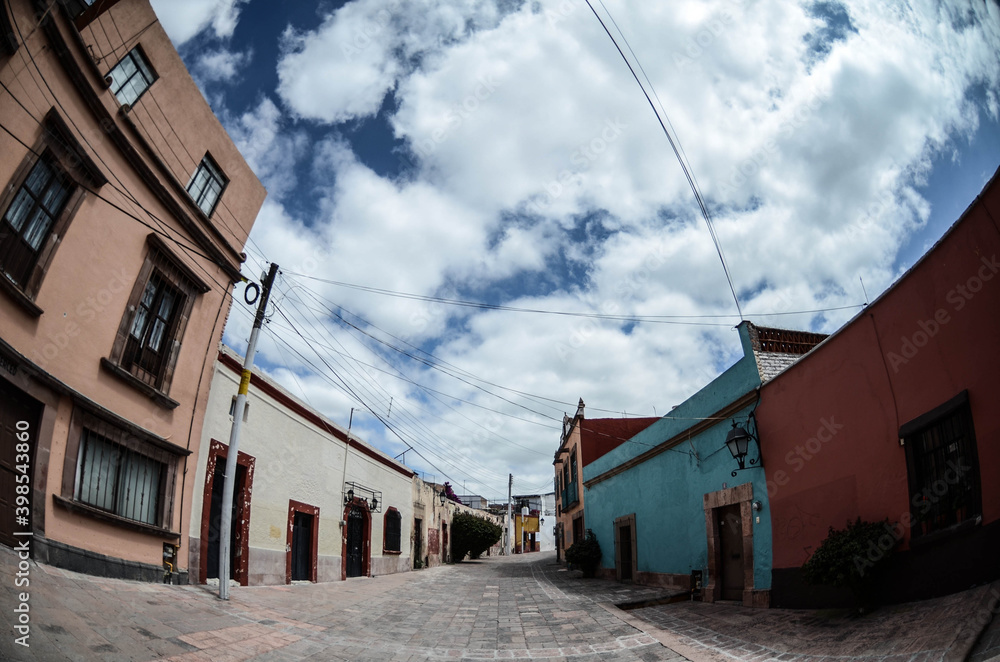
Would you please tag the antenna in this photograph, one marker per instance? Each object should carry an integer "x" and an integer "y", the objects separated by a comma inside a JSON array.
[{"x": 864, "y": 290}]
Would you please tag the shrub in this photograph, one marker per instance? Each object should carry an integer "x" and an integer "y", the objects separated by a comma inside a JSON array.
[
  {"x": 472, "y": 535},
  {"x": 585, "y": 553},
  {"x": 853, "y": 557}
]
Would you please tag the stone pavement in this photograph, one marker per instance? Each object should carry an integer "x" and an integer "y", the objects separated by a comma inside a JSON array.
[{"x": 523, "y": 607}]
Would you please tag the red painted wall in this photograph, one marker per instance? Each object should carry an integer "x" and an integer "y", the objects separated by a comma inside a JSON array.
[
  {"x": 829, "y": 425},
  {"x": 602, "y": 435}
]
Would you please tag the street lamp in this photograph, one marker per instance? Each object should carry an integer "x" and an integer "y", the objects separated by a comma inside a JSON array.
[
  {"x": 442, "y": 497},
  {"x": 738, "y": 442},
  {"x": 350, "y": 497}
]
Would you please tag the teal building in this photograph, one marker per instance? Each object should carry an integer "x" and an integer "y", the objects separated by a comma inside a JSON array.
[{"x": 666, "y": 505}]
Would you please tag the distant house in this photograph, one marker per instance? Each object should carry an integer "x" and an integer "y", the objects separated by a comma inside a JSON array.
[
  {"x": 896, "y": 416},
  {"x": 583, "y": 441},
  {"x": 432, "y": 524},
  {"x": 670, "y": 505},
  {"x": 474, "y": 501},
  {"x": 124, "y": 210},
  {"x": 312, "y": 502},
  {"x": 538, "y": 526}
]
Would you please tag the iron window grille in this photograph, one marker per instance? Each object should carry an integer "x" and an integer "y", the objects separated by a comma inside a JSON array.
[
  {"x": 131, "y": 77},
  {"x": 206, "y": 185},
  {"x": 392, "y": 530},
  {"x": 30, "y": 217},
  {"x": 115, "y": 476},
  {"x": 942, "y": 467}
]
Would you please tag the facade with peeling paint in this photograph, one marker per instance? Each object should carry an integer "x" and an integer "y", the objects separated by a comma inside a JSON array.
[{"x": 312, "y": 503}]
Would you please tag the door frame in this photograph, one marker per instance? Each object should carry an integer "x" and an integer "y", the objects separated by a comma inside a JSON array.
[
  {"x": 34, "y": 421},
  {"x": 299, "y": 507},
  {"x": 620, "y": 523},
  {"x": 217, "y": 450},
  {"x": 366, "y": 535},
  {"x": 713, "y": 503}
]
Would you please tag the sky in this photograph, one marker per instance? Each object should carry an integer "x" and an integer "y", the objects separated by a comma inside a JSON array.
[{"x": 500, "y": 153}]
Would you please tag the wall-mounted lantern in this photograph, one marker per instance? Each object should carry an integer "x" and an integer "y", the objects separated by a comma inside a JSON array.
[
  {"x": 738, "y": 442},
  {"x": 349, "y": 498},
  {"x": 442, "y": 497},
  {"x": 374, "y": 504}
]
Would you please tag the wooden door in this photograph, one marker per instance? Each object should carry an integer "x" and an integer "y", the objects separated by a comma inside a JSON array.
[
  {"x": 302, "y": 527},
  {"x": 18, "y": 413},
  {"x": 215, "y": 520},
  {"x": 731, "y": 547},
  {"x": 418, "y": 543},
  {"x": 625, "y": 552},
  {"x": 355, "y": 542}
]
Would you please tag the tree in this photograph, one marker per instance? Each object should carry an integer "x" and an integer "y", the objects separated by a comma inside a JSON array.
[{"x": 472, "y": 535}]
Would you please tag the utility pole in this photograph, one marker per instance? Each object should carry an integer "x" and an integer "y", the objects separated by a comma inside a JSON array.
[
  {"x": 510, "y": 524},
  {"x": 225, "y": 527}
]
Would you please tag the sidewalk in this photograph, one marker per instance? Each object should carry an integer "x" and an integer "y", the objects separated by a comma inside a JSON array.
[
  {"x": 943, "y": 629},
  {"x": 521, "y": 607}
]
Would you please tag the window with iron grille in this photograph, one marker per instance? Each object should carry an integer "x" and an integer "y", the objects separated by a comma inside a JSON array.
[
  {"x": 942, "y": 467},
  {"x": 392, "y": 530},
  {"x": 120, "y": 480},
  {"x": 30, "y": 218},
  {"x": 131, "y": 77},
  {"x": 206, "y": 185}
]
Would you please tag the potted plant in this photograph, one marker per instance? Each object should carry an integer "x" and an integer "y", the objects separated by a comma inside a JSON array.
[{"x": 585, "y": 554}]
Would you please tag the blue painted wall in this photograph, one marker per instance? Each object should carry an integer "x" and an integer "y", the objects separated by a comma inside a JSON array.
[{"x": 666, "y": 492}]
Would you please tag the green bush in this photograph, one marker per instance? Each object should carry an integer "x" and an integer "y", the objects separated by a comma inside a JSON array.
[
  {"x": 853, "y": 557},
  {"x": 585, "y": 553},
  {"x": 472, "y": 535}
]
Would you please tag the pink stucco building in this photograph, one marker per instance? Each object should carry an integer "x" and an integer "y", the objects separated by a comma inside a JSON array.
[{"x": 125, "y": 210}]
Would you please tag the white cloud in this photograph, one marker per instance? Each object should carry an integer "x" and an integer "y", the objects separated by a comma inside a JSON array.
[
  {"x": 343, "y": 69},
  {"x": 537, "y": 162},
  {"x": 220, "y": 65},
  {"x": 183, "y": 19}
]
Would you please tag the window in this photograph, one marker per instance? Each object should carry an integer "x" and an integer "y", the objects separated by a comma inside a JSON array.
[
  {"x": 118, "y": 480},
  {"x": 942, "y": 466},
  {"x": 30, "y": 218},
  {"x": 206, "y": 185},
  {"x": 37, "y": 206},
  {"x": 149, "y": 336},
  {"x": 131, "y": 77},
  {"x": 392, "y": 531}
]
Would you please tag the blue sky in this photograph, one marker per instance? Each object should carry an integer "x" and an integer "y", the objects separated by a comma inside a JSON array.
[{"x": 500, "y": 152}]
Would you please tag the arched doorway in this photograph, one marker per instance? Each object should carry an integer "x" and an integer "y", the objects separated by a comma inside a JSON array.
[{"x": 357, "y": 540}]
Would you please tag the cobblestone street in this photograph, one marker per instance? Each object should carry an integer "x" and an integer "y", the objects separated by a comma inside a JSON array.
[{"x": 500, "y": 608}]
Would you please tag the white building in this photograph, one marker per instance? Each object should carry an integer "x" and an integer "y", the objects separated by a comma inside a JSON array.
[{"x": 312, "y": 502}]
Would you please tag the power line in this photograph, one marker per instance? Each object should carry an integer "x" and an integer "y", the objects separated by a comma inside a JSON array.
[
  {"x": 677, "y": 153},
  {"x": 656, "y": 319}
]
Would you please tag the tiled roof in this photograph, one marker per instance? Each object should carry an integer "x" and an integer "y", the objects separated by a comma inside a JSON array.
[{"x": 776, "y": 349}]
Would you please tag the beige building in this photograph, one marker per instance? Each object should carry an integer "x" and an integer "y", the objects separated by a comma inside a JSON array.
[
  {"x": 430, "y": 542},
  {"x": 123, "y": 217},
  {"x": 313, "y": 502}
]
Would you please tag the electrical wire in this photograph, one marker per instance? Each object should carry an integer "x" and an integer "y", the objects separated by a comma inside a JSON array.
[{"x": 684, "y": 165}]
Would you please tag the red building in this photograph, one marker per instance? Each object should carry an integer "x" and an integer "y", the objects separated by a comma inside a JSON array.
[
  {"x": 583, "y": 441},
  {"x": 896, "y": 416}
]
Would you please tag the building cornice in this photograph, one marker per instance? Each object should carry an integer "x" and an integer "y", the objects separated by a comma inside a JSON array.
[
  {"x": 285, "y": 400},
  {"x": 726, "y": 412}
]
